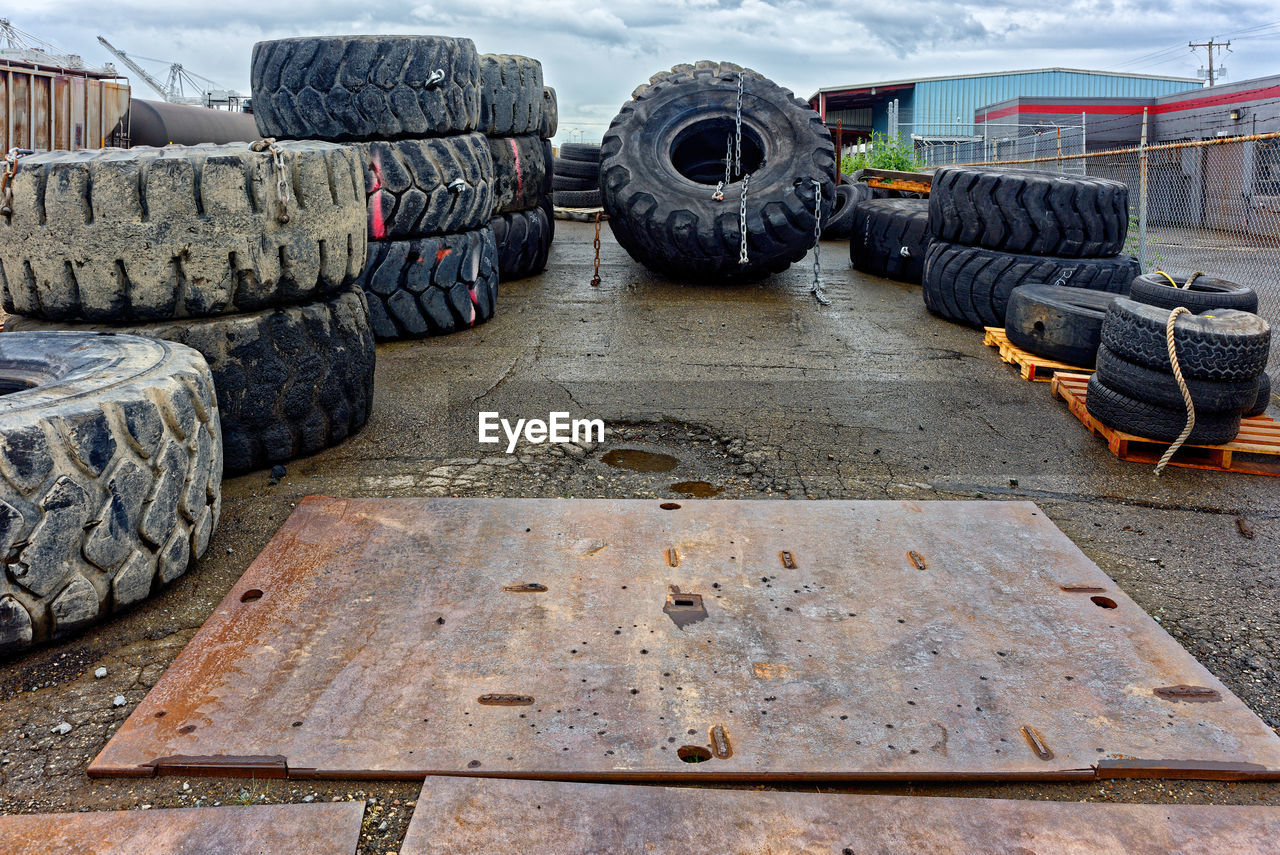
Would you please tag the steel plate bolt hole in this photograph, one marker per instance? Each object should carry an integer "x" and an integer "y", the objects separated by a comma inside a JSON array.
[
  {"x": 693, "y": 754},
  {"x": 251, "y": 595},
  {"x": 1103, "y": 602},
  {"x": 670, "y": 506}
]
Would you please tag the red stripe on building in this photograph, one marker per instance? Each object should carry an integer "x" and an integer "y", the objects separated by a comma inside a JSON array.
[{"x": 1216, "y": 100}]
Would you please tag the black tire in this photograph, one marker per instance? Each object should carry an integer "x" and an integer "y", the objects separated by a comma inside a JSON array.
[
  {"x": 111, "y": 476},
  {"x": 890, "y": 238},
  {"x": 577, "y": 199},
  {"x": 1016, "y": 210},
  {"x": 426, "y": 187},
  {"x": 839, "y": 223},
  {"x": 290, "y": 381},
  {"x": 1057, "y": 322},
  {"x": 1205, "y": 293},
  {"x": 511, "y": 95},
  {"x": 524, "y": 240},
  {"x": 1161, "y": 389},
  {"x": 582, "y": 152},
  {"x": 1159, "y": 423},
  {"x": 548, "y": 162},
  {"x": 519, "y": 172},
  {"x": 431, "y": 286},
  {"x": 184, "y": 231},
  {"x": 365, "y": 87},
  {"x": 1263, "y": 400},
  {"x": 1223, "y": 344},
  {"x": 563, "y": 182},
  {"x": 680, "y": 121},
  {"x": 550, "y": 112},
  {"x": 583, "y": 169}
]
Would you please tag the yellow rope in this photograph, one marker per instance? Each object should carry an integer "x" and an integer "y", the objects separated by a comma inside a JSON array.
[
  {"x": 1167, "y": 276},
  {"x": 1182, "y": 387}
]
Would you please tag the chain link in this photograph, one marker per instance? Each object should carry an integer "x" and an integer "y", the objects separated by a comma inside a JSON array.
[
  {"x": 718, "y": 195},
  {"x": 737, "y": 131},
  {"x": 742, "y": 220},
  {"x": 6, "y": 180},
  {"x": 434, "y": 79},
  {"x": 595, "y": 277},
  {"x": 816, "y": 290},
  {"x": 269, "y": 145}
]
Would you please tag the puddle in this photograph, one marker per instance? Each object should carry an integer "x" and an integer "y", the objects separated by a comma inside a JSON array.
[
  {"x": 697, "y": 489},
  {"x": 640, "y": 461}
]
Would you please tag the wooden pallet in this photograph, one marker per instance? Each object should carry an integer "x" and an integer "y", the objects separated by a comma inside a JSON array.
[
  {"x": 1032, "y": 367},
  {"x": 1256, "y": 451}
]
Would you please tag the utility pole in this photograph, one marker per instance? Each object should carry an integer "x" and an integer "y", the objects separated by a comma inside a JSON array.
[{"x": 1210, "y": 45}]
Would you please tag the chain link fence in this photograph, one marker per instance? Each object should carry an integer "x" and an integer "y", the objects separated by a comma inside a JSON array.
[
  {"x": 1209, "y": 205},
  {"x": 941, "y": 145}
]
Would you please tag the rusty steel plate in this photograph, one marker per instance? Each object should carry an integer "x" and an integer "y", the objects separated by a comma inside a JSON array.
[
  {"x": 320, "y": 829},
  {"x": 600, "y": 640},
  {"x": 463, "y": 815}
]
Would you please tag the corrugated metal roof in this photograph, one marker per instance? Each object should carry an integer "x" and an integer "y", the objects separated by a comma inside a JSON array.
[{"x": 915, "y": 80}]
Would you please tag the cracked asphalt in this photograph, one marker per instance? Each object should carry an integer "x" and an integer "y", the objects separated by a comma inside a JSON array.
[{"x": 754, "y": 391}]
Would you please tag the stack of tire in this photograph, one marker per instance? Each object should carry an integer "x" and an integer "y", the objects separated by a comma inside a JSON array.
[
  {"x": 577, "y": 176},
  {"x": 993, "y": 230},
  {"x": 890, "y": 237},
  {"x": 410, "y": 106},
  {"x": 517, "y": 115},
  {"x": 1222, "y": 353},
  {"x": 251, "y": 257}
]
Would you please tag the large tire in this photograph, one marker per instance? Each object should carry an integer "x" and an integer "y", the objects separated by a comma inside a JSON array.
[
  {"x": 154, "y": 233},
  {"x": 890, "y": 238},
  {"x": 1159, "y": 423},
  {"x": 668, "y": 221},
  {"x": 1057, "y": 322},
  {"x": 511, "y": 95},
  {"x": 582, "y": 169},
  {"x": 524, "y": 240},
  {"x": 583, "y": 152},
  {"x": 1221, "y": 344},
  {"x": 1204, "y": 294},
  {"x": 431, "y": 286},
  {"x": 426, "y": 187},
  {"x": 550, "y": 112},
  {"x": 290, "y": 381},
  {"x": 839, "y": 224},
  {"x": 577, "y": 198},
  {"x": 1160, "y": 388},
  {"x": 111, "y": 476},
  {"x": 519, "y": 172},
  {"x": 972, "y": 285},
  {"x": 548, "y": 165},
  {"x": 365, "y": 87},
  {"x": 1016, "y": 210},
  {"x": 563, "y": 182}
]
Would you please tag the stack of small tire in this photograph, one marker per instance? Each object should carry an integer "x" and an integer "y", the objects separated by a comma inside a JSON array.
[
  {"x": 664, "y": 155},
  {"x": 110, "y": 476},
  {"x": 890, "y": 237},
  {"x": 577, "y": 176},
  {"x": 514, "y": 107},
  {"x": 1222, "y": 350},
  {"x": 410, "y": 106},
  {"x": 993, "y": 230},
  {"x": 248, "y": 255}
]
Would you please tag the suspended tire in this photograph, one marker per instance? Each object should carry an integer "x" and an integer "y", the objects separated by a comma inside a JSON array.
[
  {"x": 154, "y": 233},
  {"x": 1221, "y": 344},
  {"x": 290, "y": 381},
  {"x": 1205, "y": 293},
  {"x": 110, "y": 476},
  {"x": 365, "y": 87},
  {"x": 550, "y": 112},
  {"x": 1058, "y": 323},
  {"x": 427, "y": 186},
  {"x": 1145, "y": 420},
  {"x": 582, "y": 169},
  {"x": 1160, "y": 388},
  {"x": 523, "y": 239},
  {"x": 657, "y": 187},
  {"x": 577, "y": 198},
  {"x": 839, "y": 224},
  {"x": 890, "y": 238},
  {"x": 511, "y": 95},
  {"x": 519, "y": 172},
  {"x": 971, "y": 285},
  {"x": 1263, "y": 400},
  {"x": 581, "y": 152},
  {"x": 1042, "y": 213},
  {"x": 431, "y": 286}
]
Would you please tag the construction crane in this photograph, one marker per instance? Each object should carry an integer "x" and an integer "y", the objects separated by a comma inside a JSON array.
[
  {"x": 181, "y": 86},
  {"x": 22, "y": 46}
]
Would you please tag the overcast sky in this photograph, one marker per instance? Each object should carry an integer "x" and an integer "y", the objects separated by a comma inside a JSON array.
[{"x": 596, "y": 51}]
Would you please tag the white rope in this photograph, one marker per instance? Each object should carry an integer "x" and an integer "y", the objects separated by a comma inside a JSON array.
[{"x": 1182, "y": 387}]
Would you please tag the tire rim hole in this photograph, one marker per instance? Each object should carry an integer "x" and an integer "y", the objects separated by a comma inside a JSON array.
[{"x": 698, "y": 150}]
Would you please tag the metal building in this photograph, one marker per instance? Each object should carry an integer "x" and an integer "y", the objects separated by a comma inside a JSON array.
[{"x": 942, "y": 108}]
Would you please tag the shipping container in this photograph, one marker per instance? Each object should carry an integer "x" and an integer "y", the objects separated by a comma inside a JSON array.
[{"x": 51, "y": 108}]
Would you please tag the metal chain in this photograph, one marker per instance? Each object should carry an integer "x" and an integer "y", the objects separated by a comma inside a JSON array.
[
  {"x": 1182, "y": 387},
  {"x": 737, "y": 131},
  {"x": 434, "y": 79},
  {"x": 742, "y": 220},
  {"x": 6, "y": 180},
  {"x": 268, "y": 144},
  {"x": 816, "y": 290},
  {"x": 595, "y": 277},
  {"x": 718, "y": 195}
]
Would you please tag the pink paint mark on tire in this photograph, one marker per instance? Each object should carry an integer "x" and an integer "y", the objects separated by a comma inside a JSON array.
[
  {"x": 377, "y": 225},
  {"x": 515, "y": 150}
]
